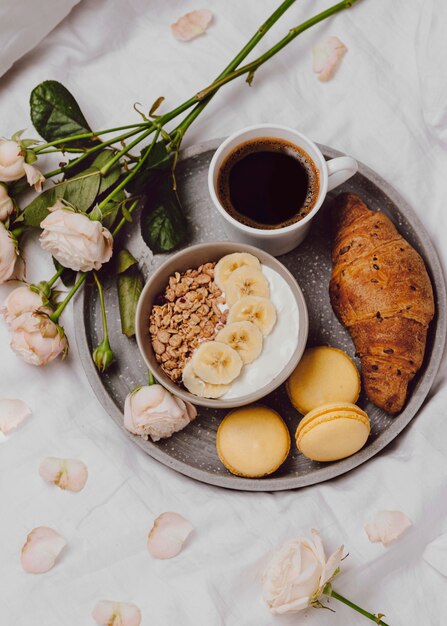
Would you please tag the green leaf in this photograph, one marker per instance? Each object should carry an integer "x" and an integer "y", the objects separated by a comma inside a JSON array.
[
  {"x": 80, "y": 191},
  {"x": 158, "y": 160},
  {"x": 130, "y": 286},
  {"x": 111, "y": 209},
  {"x": 125, "y": 261},
  {"x": 163, "y": 225},
  {"x": 112, "y": 175},
  {"x": 68, "y": 276},
  {"x": 56, "y": 114}
]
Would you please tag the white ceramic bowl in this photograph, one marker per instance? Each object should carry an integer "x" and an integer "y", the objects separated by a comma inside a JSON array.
[{"x": 192, "y": 257}]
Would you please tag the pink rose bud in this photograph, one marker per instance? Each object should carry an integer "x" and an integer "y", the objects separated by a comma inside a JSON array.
[
  {"x": 23, "y": 300},
  {"x": 153, "y": 412},
  {"x": 10, "y": 262},
  {"x": 75, "y": 240},
  {"x": 11, "y": 161},
  {"x": 37, "y": 339},
  {"x": 6, "y": 203}
]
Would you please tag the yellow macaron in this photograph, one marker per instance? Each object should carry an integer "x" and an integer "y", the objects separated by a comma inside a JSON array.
[
  {"x": 332, "y": 431},
  {"x": 253, "y": 441},
  {"x": 323, "y": 375}
]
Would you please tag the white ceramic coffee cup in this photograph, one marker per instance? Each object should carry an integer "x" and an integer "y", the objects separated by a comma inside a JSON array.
[{"x": 280, "y": 240}]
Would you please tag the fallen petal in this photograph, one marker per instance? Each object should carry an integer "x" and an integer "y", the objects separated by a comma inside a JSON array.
[
  {"x": 68, "y": 474},
  {"x": 327, "y": 56},
  {"x": 435, "y": 554},
  {"x": 12, "y": 413},
  {"x": 191, "y": 25},
  {"x": 108, "y": 613},
  {"x": 387, "y": 526},
  {"x": 167, "y": 536},
  {"x": 41, "y": 549}
]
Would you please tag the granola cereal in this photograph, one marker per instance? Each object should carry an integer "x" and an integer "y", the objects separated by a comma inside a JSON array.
[{"x": 190, "y": 312}]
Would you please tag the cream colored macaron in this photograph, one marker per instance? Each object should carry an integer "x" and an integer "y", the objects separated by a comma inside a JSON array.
[
  {"x": 323, "y": 375},
  {"x": 332, "y": 432},
  {"x": 253, "y": 441}
]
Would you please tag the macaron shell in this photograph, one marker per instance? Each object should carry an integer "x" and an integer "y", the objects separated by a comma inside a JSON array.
[
  {"x": 323, "y": 375},
  {"x": 332, "y": 432},
  {"x": 253, "y": 441}
]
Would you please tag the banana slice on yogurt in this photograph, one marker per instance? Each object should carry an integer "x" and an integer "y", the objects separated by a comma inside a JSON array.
[
  {"x": 216, "y": 363},
  {"x": 260, "y": 311},
  {"x": 244, "y": 337},
  {"x": 231, "y": 262},
  {"x": 246, "y": 281},
  {"x": 199, "y": 387}
]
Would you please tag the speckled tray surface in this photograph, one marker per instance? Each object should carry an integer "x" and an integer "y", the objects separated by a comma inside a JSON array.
[{"x": 192, "y": 451}]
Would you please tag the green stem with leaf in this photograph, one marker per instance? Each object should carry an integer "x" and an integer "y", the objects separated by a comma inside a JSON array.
[
  {"x": 330, "y": 592},
  {"x": 206, "y": 94},
  {"x": 61, "y": 306},
  {"x": 102, "y": 355}
]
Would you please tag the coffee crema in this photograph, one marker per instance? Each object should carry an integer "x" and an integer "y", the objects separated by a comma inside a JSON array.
[{"x": 268, "y": 183}]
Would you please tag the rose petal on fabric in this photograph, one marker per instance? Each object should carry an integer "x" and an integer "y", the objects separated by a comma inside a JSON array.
[
  {"x": 327, "y": 56},
  {"x": 435, "y": 554},
  {"x": 12, "y": 414},
  {"x": 110, "y": 613},
  {"x": 191, "y": 25},
  {"x": 70, "y": 474},
  {"x": 41, "y": 549},
  {"x": 167, "y": 535},
  {"x": 387, "y": 526}
]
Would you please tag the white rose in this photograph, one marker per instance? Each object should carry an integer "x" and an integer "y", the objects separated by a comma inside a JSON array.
[
  {"x": 6, "y": 203},
  {"x": 152, "y": 411},
  {"x": 22, "y": 300},
  {"x": 297, "y": 574},
  {"x": 37, "y": 339},
  {"x": 9, "y": 256},
  {"x": 13, "y": 165},
  {"x": 75, "y": 240}
]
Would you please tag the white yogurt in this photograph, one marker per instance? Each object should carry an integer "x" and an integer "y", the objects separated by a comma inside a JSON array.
[{"x": 278, "y": 347}]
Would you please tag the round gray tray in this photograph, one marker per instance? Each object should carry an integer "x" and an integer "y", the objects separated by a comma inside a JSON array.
[{"x": 193, "y": 451}]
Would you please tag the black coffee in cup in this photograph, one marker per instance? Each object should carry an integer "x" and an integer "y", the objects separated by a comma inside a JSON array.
[{"x": 268, "y": 183}]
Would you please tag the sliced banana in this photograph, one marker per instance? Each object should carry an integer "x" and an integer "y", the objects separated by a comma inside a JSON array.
[
  {"x": 244, "y": 337},
  {"x": 245, "y": 281},
  {"x": 260, "y": 311},
  {"x": 216, "y": 363},
  {"x": 199, "y": 387},
  {"x": 231, "y": 262}
]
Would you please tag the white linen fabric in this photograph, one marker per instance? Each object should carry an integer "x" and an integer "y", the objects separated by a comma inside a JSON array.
[
  {"x": 23, "y": 24},
  {"x": 386, "y": 106}
]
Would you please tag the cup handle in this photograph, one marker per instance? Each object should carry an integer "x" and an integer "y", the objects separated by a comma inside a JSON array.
[{"x": 339, "y": 170}]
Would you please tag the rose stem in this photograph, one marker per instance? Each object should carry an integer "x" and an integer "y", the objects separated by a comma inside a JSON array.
[
  {"x": 54, "y": 278},
  {"x": 206, "y": 94},
  {"x": 123, "y": 220},
  {"x": 333, "y": 594},
  {"x": 57, "y": 313},
  {"x": 103, "y": 309},
  {"x": 131, "y": 174},
  {"x": 151, "y": 126}
]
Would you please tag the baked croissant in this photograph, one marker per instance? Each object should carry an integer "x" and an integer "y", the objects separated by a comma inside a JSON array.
[{"x": 381, "y": 292}]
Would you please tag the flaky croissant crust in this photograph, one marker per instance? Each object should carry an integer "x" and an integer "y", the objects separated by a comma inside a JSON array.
[{"x": 380, "y": 290}]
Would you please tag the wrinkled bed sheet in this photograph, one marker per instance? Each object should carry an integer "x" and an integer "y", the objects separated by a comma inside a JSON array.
[{"x": 387, "y": 106}]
